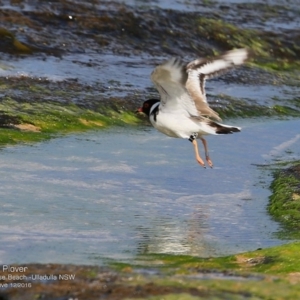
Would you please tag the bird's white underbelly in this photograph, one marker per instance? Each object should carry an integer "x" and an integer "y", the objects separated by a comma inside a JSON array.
[{"x": 178, "y": 126}]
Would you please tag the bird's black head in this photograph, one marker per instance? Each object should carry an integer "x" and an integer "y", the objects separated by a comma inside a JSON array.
[{"x": 147, "y": 106}]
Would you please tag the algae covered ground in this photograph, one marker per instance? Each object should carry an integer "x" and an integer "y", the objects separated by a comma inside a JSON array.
[
  {"x": 116, "y": 41},
  {"x": 36, "y": 121},
  {"x": 262, "y": 274},
  {"x": 284, "y": 203}
]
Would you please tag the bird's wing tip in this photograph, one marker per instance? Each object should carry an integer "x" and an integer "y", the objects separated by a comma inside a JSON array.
[{"x": 237, "y": 56}]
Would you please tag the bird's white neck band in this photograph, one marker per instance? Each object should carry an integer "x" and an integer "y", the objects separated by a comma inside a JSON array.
[{"x": 153, "y": 107}]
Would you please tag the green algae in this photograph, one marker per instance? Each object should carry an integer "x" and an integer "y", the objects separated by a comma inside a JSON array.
[
  {"x": 283, "y": 259},
  {"x": 270, "y": 273},
  {"x": 45, "y": 120},
  {"x": 284, "y": 203}
]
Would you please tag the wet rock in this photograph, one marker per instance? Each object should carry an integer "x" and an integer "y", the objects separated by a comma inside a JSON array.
[{"x": 55, "y": 27}]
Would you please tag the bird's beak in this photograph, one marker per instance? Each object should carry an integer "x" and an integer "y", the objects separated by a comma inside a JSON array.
[{"x": 139, "y": 110}]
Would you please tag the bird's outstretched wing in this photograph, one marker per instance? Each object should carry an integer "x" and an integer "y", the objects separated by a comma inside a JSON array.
[
  {"x": 201, "y": 69},
  {"x": 182, "y": 86}
]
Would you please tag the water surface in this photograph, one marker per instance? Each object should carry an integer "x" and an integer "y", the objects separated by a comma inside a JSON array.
[{"x": 119, "y": 192}]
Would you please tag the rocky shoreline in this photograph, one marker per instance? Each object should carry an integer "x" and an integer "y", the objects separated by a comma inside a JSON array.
[{"x": 253, "y": 275}]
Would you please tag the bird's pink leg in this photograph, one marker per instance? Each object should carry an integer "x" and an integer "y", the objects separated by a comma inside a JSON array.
[
  {"x": 198, "y": 158},
  {"x": 206, "y": 152}
]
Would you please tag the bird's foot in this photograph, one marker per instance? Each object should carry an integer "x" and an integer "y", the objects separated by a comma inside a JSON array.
[
  {"x": 210, "y": 163},
  {"x": 201, "y": 162},
  {"x": 198, "y": 158}
]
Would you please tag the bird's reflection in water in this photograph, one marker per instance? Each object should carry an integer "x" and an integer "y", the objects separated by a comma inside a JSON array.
[{"x": 188, "y": 236}]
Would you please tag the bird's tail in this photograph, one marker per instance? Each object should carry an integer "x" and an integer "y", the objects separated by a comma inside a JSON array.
[{"x": 224, "y": 129}]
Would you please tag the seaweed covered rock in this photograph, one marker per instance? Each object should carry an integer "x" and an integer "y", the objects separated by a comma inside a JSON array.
[{"x": 285, "y": 201}]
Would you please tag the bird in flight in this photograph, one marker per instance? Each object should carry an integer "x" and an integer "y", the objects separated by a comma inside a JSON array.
[{"x": 183, "y": 111}]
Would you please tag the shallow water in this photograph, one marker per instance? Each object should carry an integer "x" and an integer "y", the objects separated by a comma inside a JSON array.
[
  {"x": 131, "y": 75},
  {"x": 111, "y": 71},
  {"x": 119, "y": 192}
]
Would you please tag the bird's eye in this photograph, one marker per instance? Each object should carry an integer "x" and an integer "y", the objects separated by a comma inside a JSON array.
[{"x": 146, "y": 105}]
